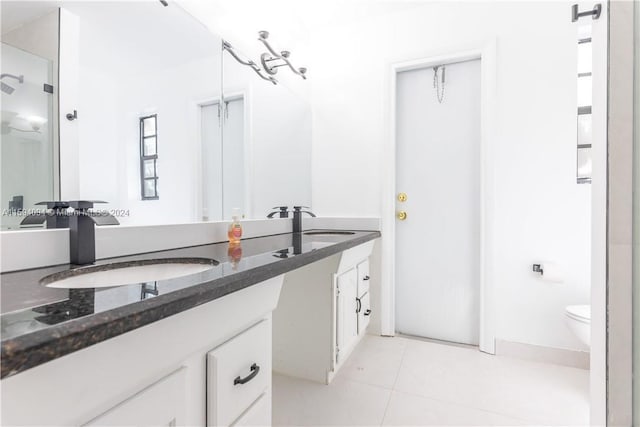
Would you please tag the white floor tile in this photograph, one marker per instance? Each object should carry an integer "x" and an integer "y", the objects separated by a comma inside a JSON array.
[
  {"x": 345, "y": 403},
  {"x": 409, "y": 410},
  {"x": 375, "y": 361},
  {"x": 434, "y": 384},
  {"x": 540, "y": 393}
]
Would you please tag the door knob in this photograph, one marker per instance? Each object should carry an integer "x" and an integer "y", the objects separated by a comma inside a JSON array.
[
  {"x": 402, "y": 197},
  {"x": 402, "y": 215}
]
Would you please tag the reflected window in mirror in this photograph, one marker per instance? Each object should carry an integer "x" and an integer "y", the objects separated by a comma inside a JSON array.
[
  {"x": 584, "y": 101},
  {"x": 149, "y": 157}
]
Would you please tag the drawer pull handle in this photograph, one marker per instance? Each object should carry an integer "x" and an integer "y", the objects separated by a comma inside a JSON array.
[
  {"x": 359, "y": 306},
  {"x": 366, "y": 278},
  {"x": 254, "y": 371},
  {"x": 368, "y": 312}
]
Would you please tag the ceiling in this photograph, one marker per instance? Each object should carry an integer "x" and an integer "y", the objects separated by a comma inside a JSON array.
[{"x": 14, "y": 14}]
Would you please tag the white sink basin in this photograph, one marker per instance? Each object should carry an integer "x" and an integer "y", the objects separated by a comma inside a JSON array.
[{"x": 127, "y": 273}]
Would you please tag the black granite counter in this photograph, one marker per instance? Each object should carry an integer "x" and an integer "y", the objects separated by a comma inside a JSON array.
[{"x": 41, "y": 323}]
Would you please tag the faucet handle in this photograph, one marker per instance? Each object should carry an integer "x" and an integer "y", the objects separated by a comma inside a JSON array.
[
  {"x": 282, "y": 210},
  {"x": 301, "y": 207}
]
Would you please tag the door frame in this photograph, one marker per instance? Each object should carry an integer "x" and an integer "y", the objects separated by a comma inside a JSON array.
[
  {"x": 197, "y": 166},
  {"x": 487, "y": 56},
  {"x": 247, "y": 140}
]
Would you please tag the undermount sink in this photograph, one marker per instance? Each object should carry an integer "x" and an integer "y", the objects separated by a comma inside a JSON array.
[
  {"x": 329, "y": 233},
  {"x": 127, "y": 273}
]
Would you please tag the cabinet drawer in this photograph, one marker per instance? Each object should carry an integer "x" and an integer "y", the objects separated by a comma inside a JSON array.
[
  {"x": 160, "y": 404},
  {"x": 238, "y": 372},
  {"x": 258, "y": 414},
  {"x": 364, "y": 313},
  {"x": 363, "y": 277}
]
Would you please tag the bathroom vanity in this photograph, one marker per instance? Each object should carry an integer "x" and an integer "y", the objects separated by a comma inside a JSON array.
[{"x": 193, "y": 350}]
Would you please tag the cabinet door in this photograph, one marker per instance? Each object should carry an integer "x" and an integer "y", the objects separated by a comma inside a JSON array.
[
  {"x": 347, "y": 321},
  {"x": 160, "y": 404},
  {"x": 363, "y": 277},
  {"x": 364, "y": 313}
]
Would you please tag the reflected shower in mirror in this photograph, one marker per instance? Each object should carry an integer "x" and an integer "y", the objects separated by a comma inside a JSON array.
[{"x": 29, "y": 104}]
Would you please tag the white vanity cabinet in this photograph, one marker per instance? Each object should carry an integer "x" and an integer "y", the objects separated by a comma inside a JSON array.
[
  {"x": 353, "y": 307},
  {"x": 347, "y": 313},
  {"x": 180, "y": 370},
  {"x": 323, "y": 312},
  {"x": 363, "y": 300}
]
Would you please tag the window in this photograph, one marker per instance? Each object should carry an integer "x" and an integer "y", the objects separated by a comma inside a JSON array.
[
  {"x": 583, "y": 168},
  {"x": 149, "y": 157}
]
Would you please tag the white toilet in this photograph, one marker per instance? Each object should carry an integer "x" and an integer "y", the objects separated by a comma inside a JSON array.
[{"x": 579, "y": 321}]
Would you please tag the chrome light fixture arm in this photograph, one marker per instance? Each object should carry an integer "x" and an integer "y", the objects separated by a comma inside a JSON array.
[
  {"x": 249, "y": 63},
  {"x": 267, "y": 58}
]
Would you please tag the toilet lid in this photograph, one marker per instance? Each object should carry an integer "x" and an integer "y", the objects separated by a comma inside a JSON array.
[{"x": 582, "y": 312}]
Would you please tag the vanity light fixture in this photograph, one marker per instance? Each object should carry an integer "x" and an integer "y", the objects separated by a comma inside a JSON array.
[
  {"x": 249, "y": 63},
  {"x": 272, "y": 60}
]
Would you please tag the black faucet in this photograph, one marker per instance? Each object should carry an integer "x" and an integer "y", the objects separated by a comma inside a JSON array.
[
  {"x": 297, "y": 217},
  {"x": 82, "y": 235},
  {"x": 283, "y": 212},
  {"x": 55, "y": 217},
  {"x": 82, "y": 231}
]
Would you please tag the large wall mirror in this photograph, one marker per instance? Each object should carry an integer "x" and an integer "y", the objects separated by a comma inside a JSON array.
[{"x": 136, "y": 104}]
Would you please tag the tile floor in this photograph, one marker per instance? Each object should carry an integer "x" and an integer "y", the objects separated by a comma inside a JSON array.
[{"x": 401, "y": 381}]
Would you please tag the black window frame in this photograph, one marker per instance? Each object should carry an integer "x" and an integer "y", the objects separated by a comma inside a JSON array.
[
  {"x": 583, "y": 110},
  {"x": 144, "y": 157}
]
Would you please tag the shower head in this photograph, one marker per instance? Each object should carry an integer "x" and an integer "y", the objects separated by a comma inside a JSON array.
[
  {"x": 19, "y": 78},
  {"x": 6, "y": 88}
]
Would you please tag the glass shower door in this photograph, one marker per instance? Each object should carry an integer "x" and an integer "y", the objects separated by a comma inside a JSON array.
[
  {"x": 636, "y": 221},
  {"x": 27, "y": 144}
]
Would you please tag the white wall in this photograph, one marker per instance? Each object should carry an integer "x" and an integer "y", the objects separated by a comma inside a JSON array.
[{"x": 541, "y": 213}]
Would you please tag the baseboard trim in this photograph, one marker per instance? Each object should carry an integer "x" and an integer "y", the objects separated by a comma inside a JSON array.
[{"x": 538, "y": 353}]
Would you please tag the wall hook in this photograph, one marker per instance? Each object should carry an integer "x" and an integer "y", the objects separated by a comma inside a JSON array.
[
  {"x": 72, "y": 117},
  {"x": 594, "y": 13}
]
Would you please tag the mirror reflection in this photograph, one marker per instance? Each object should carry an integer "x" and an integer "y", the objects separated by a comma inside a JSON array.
[
  {"x": 269, "y": 125},
  {"x": 161, "y": 124},
  {"x": 29, "y": 109}
]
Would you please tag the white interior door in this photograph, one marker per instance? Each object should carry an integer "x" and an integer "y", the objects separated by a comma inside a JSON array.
[
  {"x": 211, "y": 136},
  {"x": 223, "y": 159},
  {"x": 438, "y": 167},
  {"x": 233, "y": 154}
]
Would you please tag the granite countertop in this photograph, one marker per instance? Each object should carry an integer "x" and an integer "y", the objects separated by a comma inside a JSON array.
[{"x": 40, "y": 323}]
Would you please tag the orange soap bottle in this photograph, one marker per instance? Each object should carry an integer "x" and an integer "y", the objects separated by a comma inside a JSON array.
[{"x": 235, "y": 228}]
